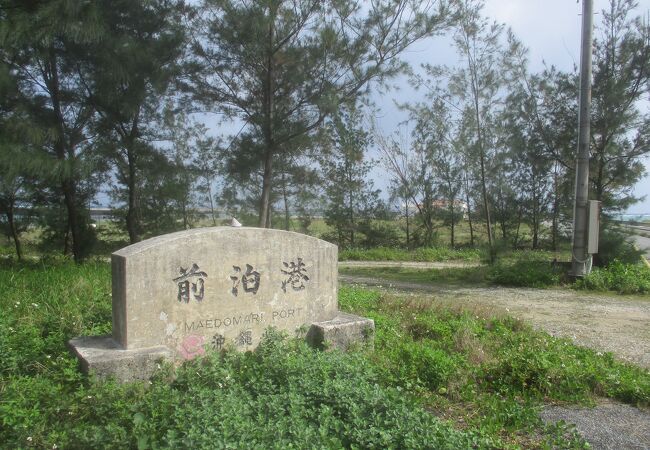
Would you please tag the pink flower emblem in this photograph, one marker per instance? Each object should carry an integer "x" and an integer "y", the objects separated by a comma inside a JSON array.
[{"x": 192, "y": 346}]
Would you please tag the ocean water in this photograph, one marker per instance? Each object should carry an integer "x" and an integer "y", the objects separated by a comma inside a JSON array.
[{"x": 633, "y": 217}]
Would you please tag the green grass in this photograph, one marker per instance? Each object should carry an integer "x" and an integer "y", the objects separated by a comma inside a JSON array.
[
  {"x": 438, "y": 378},
  {"x": 525, "y": 273},
  {"x": 490, "y": 372},
  {"x": 425, "y": 254},
  {"x": 452, "y": 275}
]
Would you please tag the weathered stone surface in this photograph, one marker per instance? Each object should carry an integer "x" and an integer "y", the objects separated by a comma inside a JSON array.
[
  {"x": 177, "y": 295},
  {"x": 102, "y": 356},
  {"x": 342, "y": 332},
  {"x": 220, "y": 286}
]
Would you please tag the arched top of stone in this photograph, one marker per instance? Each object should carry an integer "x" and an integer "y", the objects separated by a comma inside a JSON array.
[
  {"x": 218, "y": 233},
  {"x": 223, "y": 285}
]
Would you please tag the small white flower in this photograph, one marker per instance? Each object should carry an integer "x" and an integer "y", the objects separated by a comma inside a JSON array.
[
  {"x": 90, "y": 396},
  {"x": 35, "y": 305},
  {"x": 48, "y": 356},
  {"x": 29, "y": 439},
  {"x": 55, "y": 446}
]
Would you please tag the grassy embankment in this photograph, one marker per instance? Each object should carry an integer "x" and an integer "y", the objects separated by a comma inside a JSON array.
[{"x": 437, "y": 378}]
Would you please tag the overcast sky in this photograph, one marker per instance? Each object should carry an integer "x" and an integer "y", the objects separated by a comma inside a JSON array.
[{"x": 551, "y": 31}]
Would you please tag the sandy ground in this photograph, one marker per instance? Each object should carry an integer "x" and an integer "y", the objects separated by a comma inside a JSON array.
[{"x": 643, "y": 243}]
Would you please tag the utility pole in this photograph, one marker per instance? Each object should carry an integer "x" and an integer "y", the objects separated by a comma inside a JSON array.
[{"x": 580, "y": 257}]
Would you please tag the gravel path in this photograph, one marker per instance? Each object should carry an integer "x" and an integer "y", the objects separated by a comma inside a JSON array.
[
  {"x": 609, "y": 426},
  {"x": 619, "y": 324}
]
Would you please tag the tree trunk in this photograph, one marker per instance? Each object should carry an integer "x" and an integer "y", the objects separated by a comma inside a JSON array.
[
  {"x": 556, "y": 210},
  {"x": 61, "y": 148},
  {"x": 408, "y": 235},
  {"x": 515, "y": 243},
  {"x": 481, "y": 148},
  {"x": 73, "y": 222},
  {"x": 214, "y": 219},
  {"x": 132, "y": 222},
  {"x": 66, "y": 241},
  {"x": 350, "y": 203},
  {"x": 269, "y": 217},
  {"x": 286, "y": 202},
  {"x": 486, "y": 207},
  {"x": 451, "y": 199},
  {"x": 12, "y": 227},
  {"x": 266, "y": 189},
  {"x": 453, "y": 224},
  {"x": 501, "y": 216},
  {"x": 469, "y": 213},
  {"x": 265, "y": 215},
  {"x": 185, "y": 218},
  {"x": 535, "y": 223}
]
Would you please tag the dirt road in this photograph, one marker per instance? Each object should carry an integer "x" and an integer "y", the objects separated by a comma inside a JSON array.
[{"x": 618, "y": 324}]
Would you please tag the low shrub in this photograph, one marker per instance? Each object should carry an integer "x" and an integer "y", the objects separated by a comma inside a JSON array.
[
  {"x": 525, "y": 273},
  {"x": 439, "y": 350},
  {"x": 284, "y": 395},
  {"x": 379, "y": 234},
  {"x": 618, "y": 276}
]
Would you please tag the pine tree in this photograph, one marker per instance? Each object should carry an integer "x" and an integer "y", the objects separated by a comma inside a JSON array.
[
  {"x": 620, "y": 131},
  {"x": 40, "y": 42},
  {"x": 351, "y": 197},
  {"x": 283, "y": 67},
  {"x": 127, "y": 78}
]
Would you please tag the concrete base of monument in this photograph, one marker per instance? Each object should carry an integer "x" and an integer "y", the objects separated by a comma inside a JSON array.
[
  {"x": 102, "y": 356},
  {"x": 342, "y": 332}
]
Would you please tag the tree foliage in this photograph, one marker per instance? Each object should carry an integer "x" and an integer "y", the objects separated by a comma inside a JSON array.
[
  {"x": 283, "y": 67},
  {"x": 351, "y": 197}
]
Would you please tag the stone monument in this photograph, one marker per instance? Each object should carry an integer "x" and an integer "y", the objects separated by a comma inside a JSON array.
[{"x": 175, "y": 296}]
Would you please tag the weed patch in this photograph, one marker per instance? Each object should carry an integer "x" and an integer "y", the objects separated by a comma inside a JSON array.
[
  {"x": 492, "y": 373},
  {"x": 617, "y": 276},
  {"x": 283, "y": 395},
  {"x": 525, "y": 273}
]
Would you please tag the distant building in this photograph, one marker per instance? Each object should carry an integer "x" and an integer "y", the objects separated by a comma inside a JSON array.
[
  {"x": 459, "y": 206},
  {"x": 101, "y": 214}
]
